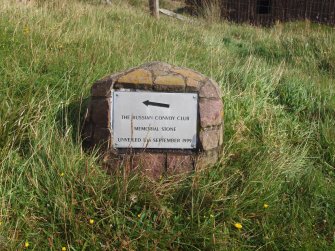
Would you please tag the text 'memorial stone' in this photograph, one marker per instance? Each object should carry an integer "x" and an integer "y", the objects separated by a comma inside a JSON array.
[{"x": 156, "y": 118}]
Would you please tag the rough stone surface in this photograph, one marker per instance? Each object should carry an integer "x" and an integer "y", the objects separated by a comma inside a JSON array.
[
  {"x": 86, "y": 134},
  {"x": 100, "y": 114},
  {"x": 207, "y": 158},
  {"x": 217, "y": 87},
  {"x": 157, "y": 76},
  {"x": 208, "y": 90},
  {"x": 169, "y": 83},
  {"x": 135, "y": 79},
  {"x": 210, "y": 138},
  {"x": 159, "y": 69},
  {"x": 151, "y": 164},
  {"x": 211, "y": 112},
  {"x": 192, "y": 85},
  {"x": 179, "y": 163},
  {"x": 189, "y": 74},
  {"x": 157, "y": 66}
]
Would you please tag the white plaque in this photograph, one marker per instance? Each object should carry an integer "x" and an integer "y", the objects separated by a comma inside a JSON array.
[{"x": 154, "y": 120}]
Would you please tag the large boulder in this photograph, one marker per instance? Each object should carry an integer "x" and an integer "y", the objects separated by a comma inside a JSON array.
[{"x": 157, "y": 77}]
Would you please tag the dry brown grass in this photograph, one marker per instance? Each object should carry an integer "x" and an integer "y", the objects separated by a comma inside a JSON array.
[{"x": 210, "y": 10}]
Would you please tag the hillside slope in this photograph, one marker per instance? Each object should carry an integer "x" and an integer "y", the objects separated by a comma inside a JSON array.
[{"x": 276, "y": 176}]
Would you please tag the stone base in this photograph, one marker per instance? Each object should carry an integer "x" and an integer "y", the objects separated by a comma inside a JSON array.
[{"x": 161, "y": 77}]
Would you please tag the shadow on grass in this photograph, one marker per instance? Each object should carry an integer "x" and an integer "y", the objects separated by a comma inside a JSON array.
[
  {"x": 70, "y": 119},
  {"x": 187, "y": 10}
]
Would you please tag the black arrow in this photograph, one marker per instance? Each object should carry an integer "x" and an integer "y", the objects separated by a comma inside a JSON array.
[{"x": 147, "y": 103}]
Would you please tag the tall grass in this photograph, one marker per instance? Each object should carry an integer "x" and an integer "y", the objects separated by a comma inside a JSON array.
[
  {"x": 210, "y": 10},
  {"x": 278, "y": 89}
]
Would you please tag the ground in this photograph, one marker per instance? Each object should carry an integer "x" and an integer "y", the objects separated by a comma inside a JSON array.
[{"x": 273, "y": 188}]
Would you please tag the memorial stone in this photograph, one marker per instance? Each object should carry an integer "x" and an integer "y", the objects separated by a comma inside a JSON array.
[{"x": 156, "y": 118}]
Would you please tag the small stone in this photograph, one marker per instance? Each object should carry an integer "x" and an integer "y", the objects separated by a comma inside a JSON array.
[
  {"x": 100, "y": 112},
  {"x": 211, "y": 111},
  {"x": 158, "y": 73},
  {"x": 208, "y": 90},
  {"x": 173, "y": 80},
  {"x": 189, "y": 74},
  {"x": 157, "y": 66},
  {"x": 206, "y": 159},
  {"x": 138, "y": 78},
  {"x": 151, "y": 164},
  {"x": 192, "y": 85},
  {"x": 209, "y": 139},
  {"x": 178, "y": 163},
  {"x": 170, "y": 82}
]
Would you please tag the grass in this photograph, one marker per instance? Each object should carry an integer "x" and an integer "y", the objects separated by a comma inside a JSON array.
[{"x": 279, "y": 149}]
